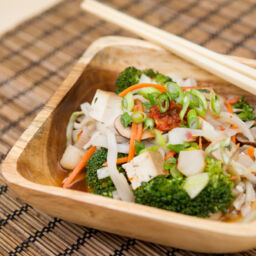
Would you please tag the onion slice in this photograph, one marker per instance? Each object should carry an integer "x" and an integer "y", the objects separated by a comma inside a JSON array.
[
  {"x": 120, "y": 182},
  {"x": 235, "y": 120}
]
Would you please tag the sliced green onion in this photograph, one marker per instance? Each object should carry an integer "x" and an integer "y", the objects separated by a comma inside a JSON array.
[
  {"x": 154, "y": 148},
  {"x": 149, "y": 123},
  {"x": 200, "y": 96},
  {"x": 128, "y": 102},
  {"x": 215, "y": 103},
  {"x": 170, "y": 163},
  {"x": 186, "y": 103},
  {"x": 138, "y": 117},
  {"x": 159, "y": 138},
  {"x": 200, "y": 109},
  {"x": 163, "y": 102},
  {"x": 152, "y": 99},
  {"x": 178, "y": 147},
  {"x": 193, "y": 120},
  {"x": 146, "y": 91},
  {"x": 138, "y": 147},
  {"x": 126, "y": 119},
  {"x": 175, "y": 92},
  {"x": 70, "y": 125}
]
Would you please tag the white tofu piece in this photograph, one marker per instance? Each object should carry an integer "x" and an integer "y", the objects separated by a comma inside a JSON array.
[
  {"x": 144, "y": 167},
  {"x": 191, "y": 162},
  {"x": 105, "y": 107}
]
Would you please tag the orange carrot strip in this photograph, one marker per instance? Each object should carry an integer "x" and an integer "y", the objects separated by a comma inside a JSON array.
[
  {"x": 139, "y": 86},
  {"x": 229, "y": 107},
  {"x": 79, "y": 135},
  {"x": 222, "y": 128},
  {"x": 120, "y": 160},
  {"x": 233, "y": 177},
  {"x": 79, "y": 167},
  {"x": 233, "y": 100},
  {"x": 200, "y": 142},
  {"x": 233, "y": 138},
  {"x": 132, "y": 142},
  {"x": 250, "y": 151},
  {"x": 169, "y": 155}
]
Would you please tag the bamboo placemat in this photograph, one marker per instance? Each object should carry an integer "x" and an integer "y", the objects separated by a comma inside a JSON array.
[{"x": 34, "y": 59}]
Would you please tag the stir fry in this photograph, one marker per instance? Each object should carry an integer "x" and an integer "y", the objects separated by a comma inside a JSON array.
[{"x": 163, "y": 141}]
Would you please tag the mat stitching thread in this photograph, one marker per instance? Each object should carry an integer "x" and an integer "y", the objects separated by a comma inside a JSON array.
[
  {"x": 15, "y": 214},
  {"x": 205, "y": 17},
  {"x": 79, "y": 242},
  {"x": 124, "y": 247},
  {"x": 35, "y": 40},
  {"x": 241, "y": 42},
  {"x": 3, "y": 189},
  {"x": 32, "y": 238},
  {"x": 228, "y": 25}
]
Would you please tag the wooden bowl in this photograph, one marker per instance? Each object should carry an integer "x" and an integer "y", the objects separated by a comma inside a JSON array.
[{"x": 31, "y": 166}]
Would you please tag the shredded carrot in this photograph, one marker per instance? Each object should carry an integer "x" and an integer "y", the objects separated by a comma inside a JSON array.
[
  {"x": 130, "y": 179},
  {"x": 250, "y": 151},
  {"x": 191, "y": 87},
  {"x": 222, "y": 128},
  {"x": 200, "y": 142},
  {"x": 139, "y": 86},
  {"x": 79, "y": 167},
  {"x": 233, "y": 177},
  {"x": 234, "y": 100},
  {"x": 79, "y": 135},
  {"x": 120, "y": 160},
  {"x": 229, "y": 107},
  {"x": 233, "y": 138},
  {"x": 136, "y": 131},
  {"x": 169, "y": 155}
]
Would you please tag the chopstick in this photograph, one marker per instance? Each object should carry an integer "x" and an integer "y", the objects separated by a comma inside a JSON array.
[{"x": 230, "y": 70}]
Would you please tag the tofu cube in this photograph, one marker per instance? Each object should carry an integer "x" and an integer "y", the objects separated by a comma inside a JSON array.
[
  {"x": 106, "y": 107},
  {"x": 191, "y": 162},
  {"x": 144, "y": 167}
]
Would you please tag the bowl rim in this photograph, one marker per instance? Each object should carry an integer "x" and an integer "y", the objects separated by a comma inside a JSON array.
[{"x": 13, "y": 177}]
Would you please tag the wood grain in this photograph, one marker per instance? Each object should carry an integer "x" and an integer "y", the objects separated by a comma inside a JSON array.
[{"x": 30, "y": 168}]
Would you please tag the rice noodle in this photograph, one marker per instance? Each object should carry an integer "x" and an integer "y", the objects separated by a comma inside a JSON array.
[
  {"x": 146, "y": 79},
  {"x": 234, "y": 119},
  {"x": 103, "y": 173},
  {"x": 119, "y": 180},
  {"x": 250, "y": 193},
  {"x": 239, "y": 201}
]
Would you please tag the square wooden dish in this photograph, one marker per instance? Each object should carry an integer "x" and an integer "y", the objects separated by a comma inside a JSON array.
[{"x": 31, "y": 166}]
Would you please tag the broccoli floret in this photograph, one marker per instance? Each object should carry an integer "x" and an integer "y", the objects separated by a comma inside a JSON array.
[
  {"x": 128, "y": 77},
  {"x": 105, "y": 186},
  {"x": 131, "y": 76},
  {"x": 244, "y": 110},
  {"x": 168, "y": 193}
]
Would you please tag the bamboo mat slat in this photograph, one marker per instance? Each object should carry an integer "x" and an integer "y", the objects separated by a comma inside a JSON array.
[{"x": 37, "y": 55}]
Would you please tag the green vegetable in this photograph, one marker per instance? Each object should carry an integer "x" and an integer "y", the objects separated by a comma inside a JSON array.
[
  {"x": 193, "y": 185},
  {"x": 163, "y": 102},
  {"x": 70, "y": 125},
  {"x": 128, "y": 102},
  {"x": 149, "y": 123},
  {"x": 138, "y": 147},
  {"x": 128, "y": 77},
  {"x": 175, "y": 92},
  {"x": 244, "y": 110},
  {"x": 105, "y": 186},
  {"x": 159, "y": 138},
  {"x": 131, "y": 76},
  {"x": 185, "y": 106},
  {"x": 168, "y": 193},
  {"x": 201, "y": 98},
  {"x": 170, "y": 163},
  {"x": 126, "y": 119},
  {"x": 138, "y": 116},
  {"x": 154, "y": 148},
  {"x": 145, "y": 92},
  {"x": 204, "y": 90},
  {"x": 215, "y": 103},
  {"x": 192, "y": 119},
  {"x": 178, "y": 147}
]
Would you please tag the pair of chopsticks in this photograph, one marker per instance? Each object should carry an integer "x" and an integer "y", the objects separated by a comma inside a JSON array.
[{"x": 228, "y": 69}]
